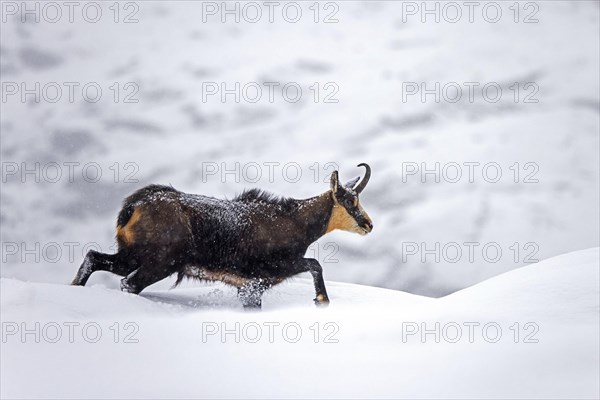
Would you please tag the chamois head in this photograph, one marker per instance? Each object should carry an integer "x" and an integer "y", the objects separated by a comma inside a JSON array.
[{"x": 348, "y": 214}]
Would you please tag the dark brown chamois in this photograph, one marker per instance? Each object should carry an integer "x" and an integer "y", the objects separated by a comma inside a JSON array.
[{"x": 252, "y": 242}]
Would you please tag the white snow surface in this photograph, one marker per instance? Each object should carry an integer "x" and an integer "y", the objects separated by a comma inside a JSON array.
[{"x": 371, "y": 358}]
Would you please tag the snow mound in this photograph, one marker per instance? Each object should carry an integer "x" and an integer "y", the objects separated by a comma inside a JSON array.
[{"x": 531, "y": 332}]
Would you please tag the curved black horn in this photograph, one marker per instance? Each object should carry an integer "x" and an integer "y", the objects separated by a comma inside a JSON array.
[{"x": 363, "y": 183}]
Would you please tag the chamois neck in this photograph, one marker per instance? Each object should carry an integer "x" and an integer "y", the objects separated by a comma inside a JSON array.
[{"x": 314, "y": 214}]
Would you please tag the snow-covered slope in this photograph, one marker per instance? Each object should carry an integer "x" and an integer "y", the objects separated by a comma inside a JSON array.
[{"x": 535, "y": 334}]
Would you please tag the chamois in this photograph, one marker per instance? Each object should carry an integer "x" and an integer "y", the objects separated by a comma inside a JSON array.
[{"x": 252, "y": 242}]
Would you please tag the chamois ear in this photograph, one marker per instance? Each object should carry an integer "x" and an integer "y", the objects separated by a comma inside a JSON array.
[
  {"x": 334, "y": 182},
  {"x": 350, "y": 184}
]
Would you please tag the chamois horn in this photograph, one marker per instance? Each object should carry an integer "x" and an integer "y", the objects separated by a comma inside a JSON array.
[{"x": 363, "y": 183}]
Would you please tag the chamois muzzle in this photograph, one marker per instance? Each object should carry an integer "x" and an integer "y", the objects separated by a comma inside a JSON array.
[{"x": 362, "y": 184}]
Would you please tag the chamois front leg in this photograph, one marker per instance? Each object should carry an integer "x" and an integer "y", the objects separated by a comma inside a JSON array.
[
  {"x": 311, "y": 265},
  {"x": 316, "y": 271}
]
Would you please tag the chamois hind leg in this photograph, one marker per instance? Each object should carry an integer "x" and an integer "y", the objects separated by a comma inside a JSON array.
[
  {"x": 96, "y": 261},
  {"x": 250, "y": 294},
  {"x": 144, "y": 276},
  {"x": 311, "y": 265}
]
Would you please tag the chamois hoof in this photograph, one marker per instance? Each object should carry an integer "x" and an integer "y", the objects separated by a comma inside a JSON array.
[
  {"x": 321, "y": 301},
  {"x": 126, "y": 287}
]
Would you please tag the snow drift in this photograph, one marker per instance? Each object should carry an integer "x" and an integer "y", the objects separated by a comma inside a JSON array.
[{"x": 531, "y": 332}]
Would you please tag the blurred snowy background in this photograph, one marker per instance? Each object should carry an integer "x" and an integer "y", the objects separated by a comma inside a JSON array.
[{"x": 368, "y": 57}]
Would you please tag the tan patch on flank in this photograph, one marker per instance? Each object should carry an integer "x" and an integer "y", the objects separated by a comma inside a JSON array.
[
  {"x": 340, "y": 219},
  {"x": 213, "y": 276},
  {"x": 126, "y": 233},
  {"x": 225, "y": 277}
]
